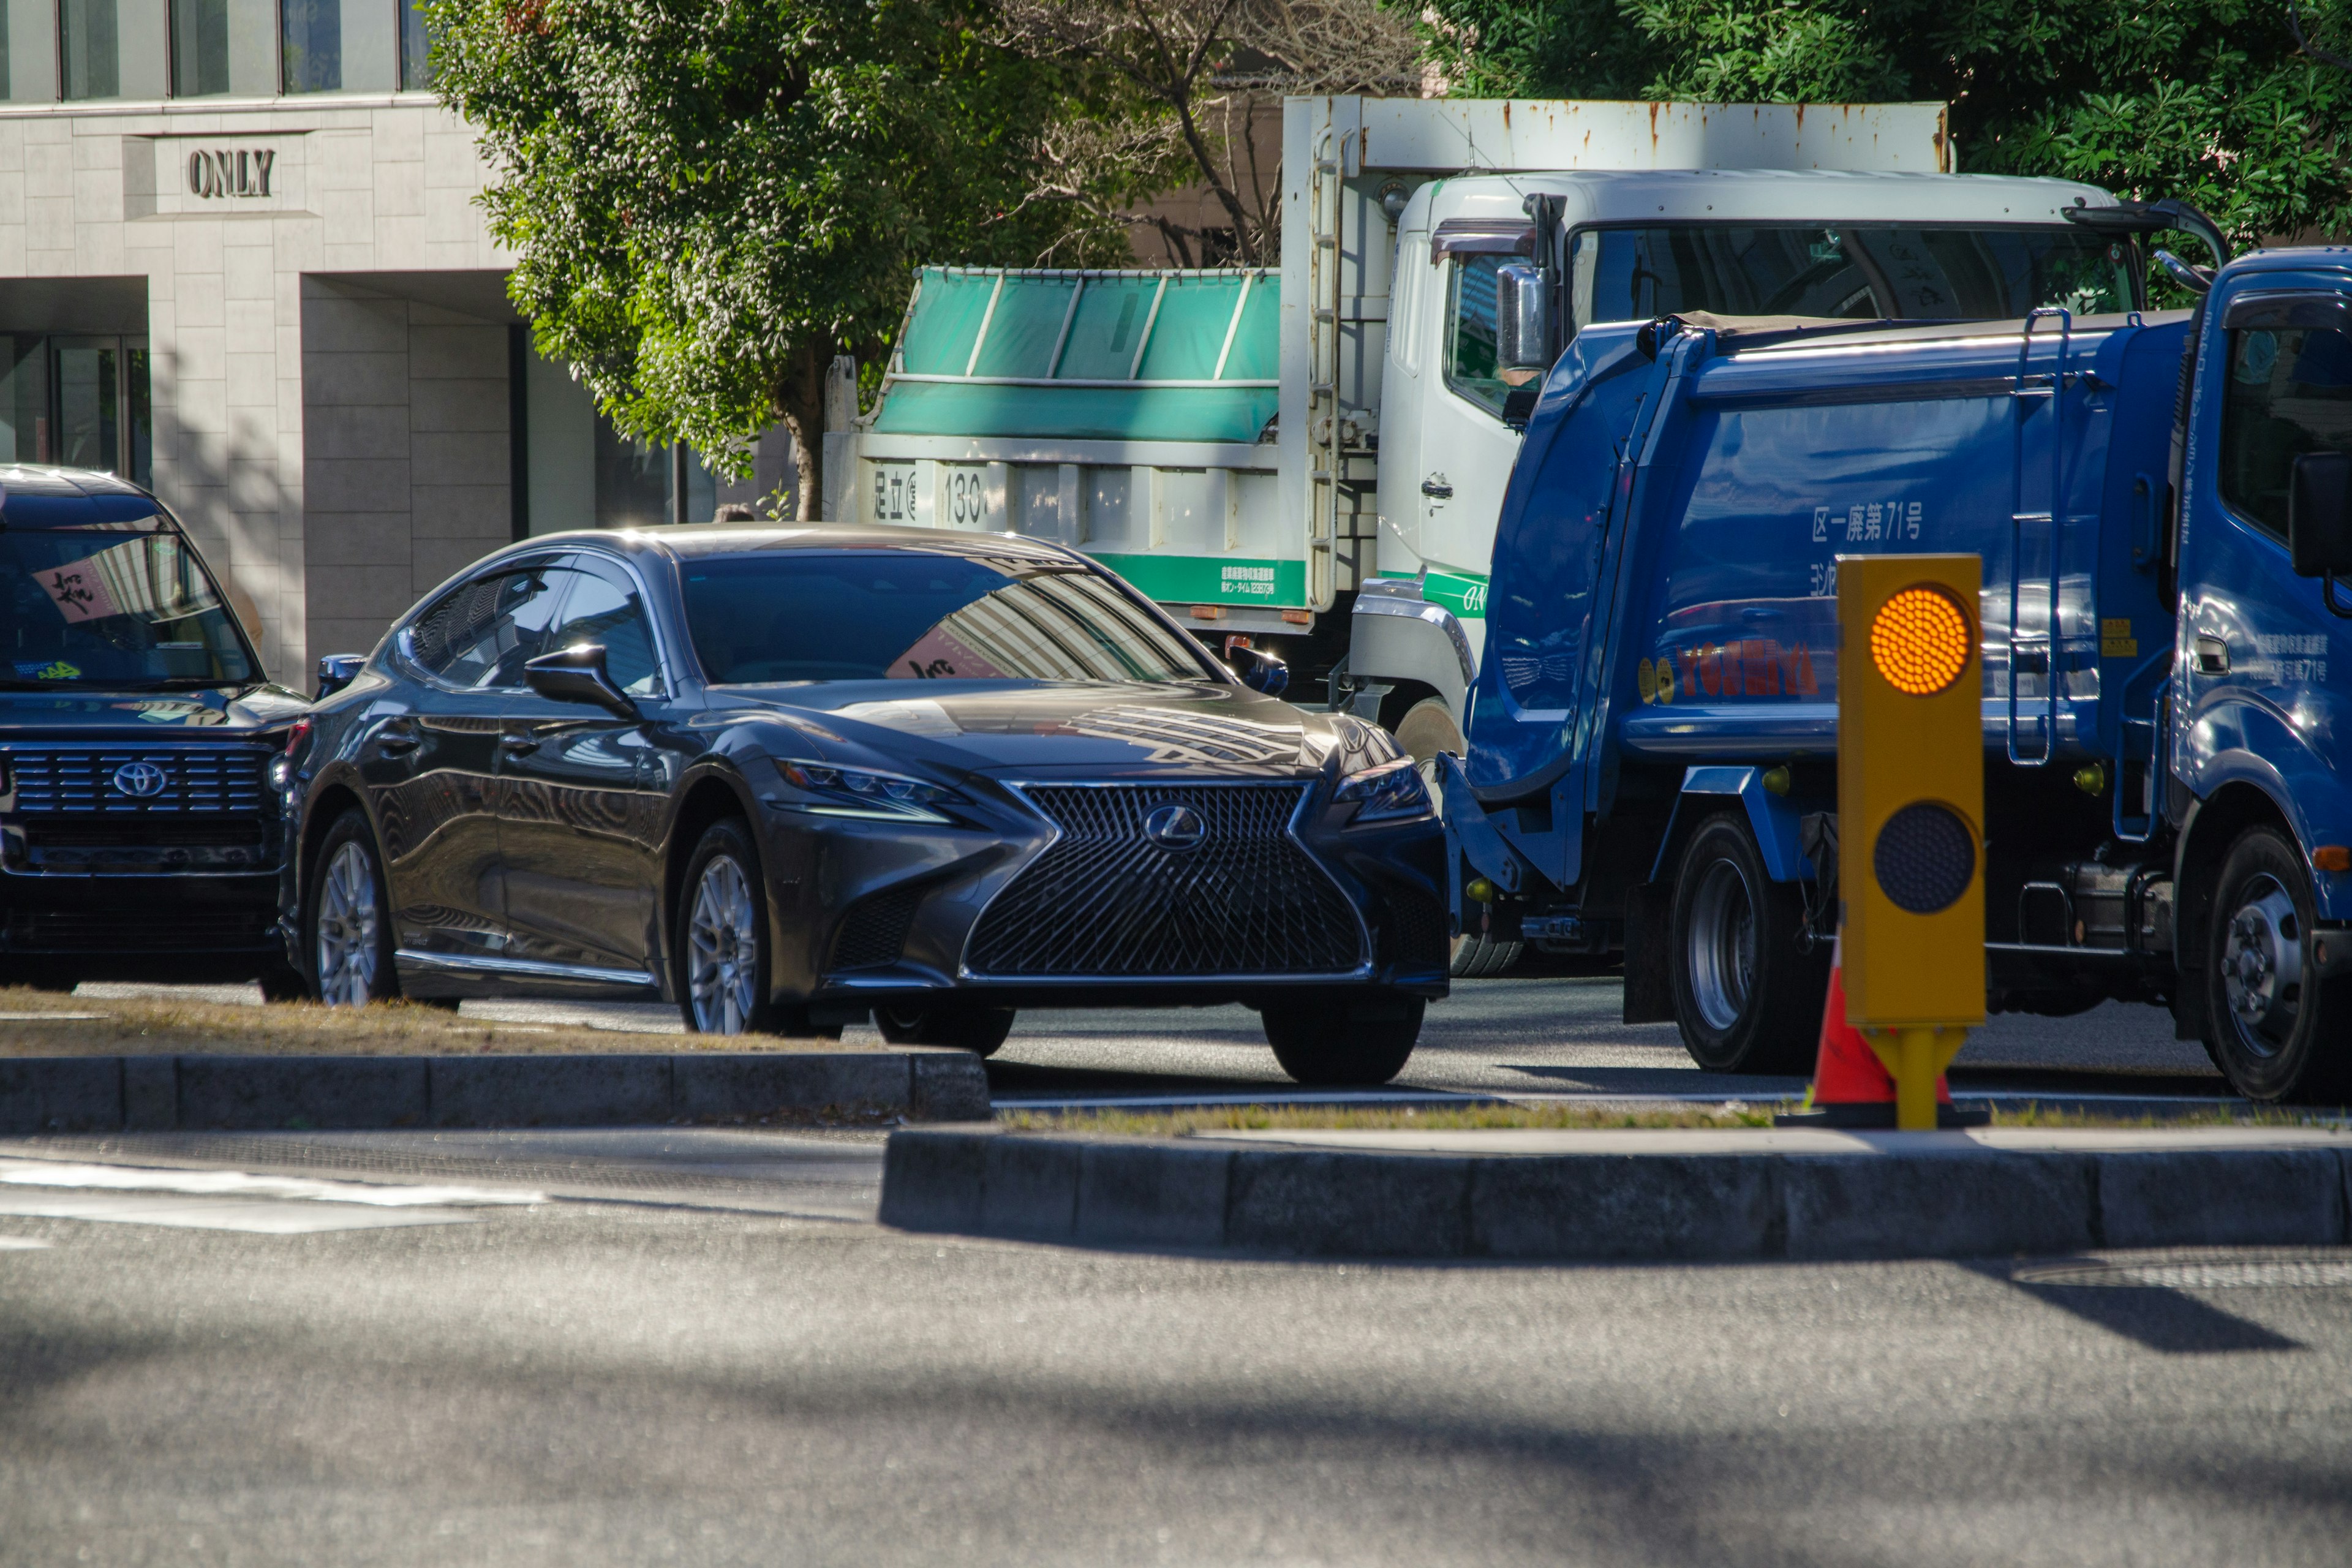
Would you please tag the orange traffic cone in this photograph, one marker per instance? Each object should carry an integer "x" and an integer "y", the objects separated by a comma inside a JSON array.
[{"x": 1851, "y": 1088}]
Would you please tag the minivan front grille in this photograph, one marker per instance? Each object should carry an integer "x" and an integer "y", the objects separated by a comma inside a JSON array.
[{"x": 1107, "y": 901}]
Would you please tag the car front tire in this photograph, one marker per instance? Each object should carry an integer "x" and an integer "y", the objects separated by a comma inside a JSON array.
[
  {"x": 961, "y": 1025},
  {"x": 347, "y": 919},
  {"x": 1326, "y": 1042},
  {"x": 2275, "y": 1029},
  {"x": 723, "y": 945}
]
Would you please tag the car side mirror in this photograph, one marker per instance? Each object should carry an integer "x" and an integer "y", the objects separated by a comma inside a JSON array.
[
  {"x": 1522, "y": 317},
  {"x": 2318, "y": 524},
  {"x": 576, "y": 674},
  {"x": 337, "y": 670},
  {"x": 1258, "y": 669}
]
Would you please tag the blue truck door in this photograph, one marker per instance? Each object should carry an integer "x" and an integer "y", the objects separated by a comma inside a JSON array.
[{"x": 2266, "y": 673}]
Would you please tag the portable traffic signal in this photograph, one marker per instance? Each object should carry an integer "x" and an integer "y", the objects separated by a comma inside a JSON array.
[{"x": 1911, "y": 813}]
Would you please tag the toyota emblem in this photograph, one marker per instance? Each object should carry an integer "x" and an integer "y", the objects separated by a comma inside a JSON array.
[
  {"x": 1175, "y": 828},
  {"x": 144, "y": 780}
]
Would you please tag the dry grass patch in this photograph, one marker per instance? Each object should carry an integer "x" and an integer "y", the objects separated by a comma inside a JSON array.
[
  {"x": 49, "y": 1023},
  {"x": 1574, "y": 1116}
]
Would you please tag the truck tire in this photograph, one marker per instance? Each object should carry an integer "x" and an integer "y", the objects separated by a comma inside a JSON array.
[
  {"x": 2274, "y": 1033},
  {"x": 1480, "y": 956},
  {"x": 1429, "y": 727},
  {"x": 1338, "y": 1042},
  {"x": 1747, "y": 997}
]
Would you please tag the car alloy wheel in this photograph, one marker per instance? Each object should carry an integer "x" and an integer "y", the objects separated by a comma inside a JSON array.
[
  {"x": 723, "y": 949},
  {"x": 349, "y": 929}
]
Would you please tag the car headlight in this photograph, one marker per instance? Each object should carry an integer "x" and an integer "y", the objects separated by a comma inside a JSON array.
[
  {"x": 854, "y": 792},
  {"x": 1391, "y": 792}
]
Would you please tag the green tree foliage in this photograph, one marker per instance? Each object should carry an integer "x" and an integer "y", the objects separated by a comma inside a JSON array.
[
  {"x": 707, "y": 199},
  {"x": 2209, "y": 101}
]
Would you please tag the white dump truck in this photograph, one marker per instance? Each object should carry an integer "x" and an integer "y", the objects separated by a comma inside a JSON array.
[{"x": 1315, "y": 457}]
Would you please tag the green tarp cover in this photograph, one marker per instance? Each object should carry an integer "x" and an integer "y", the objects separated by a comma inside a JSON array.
[{"x": 1018, "y": 384}]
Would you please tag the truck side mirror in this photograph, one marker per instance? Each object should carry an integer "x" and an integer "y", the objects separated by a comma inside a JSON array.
[
  {"x": 1522, "y": 318},
  {"x": 2318, "y": 524}
]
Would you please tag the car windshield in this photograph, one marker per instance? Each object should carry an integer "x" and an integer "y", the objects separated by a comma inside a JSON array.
[
  {"x": 905, "y": 614},
  {"x": 1858, "y": 270},
  {"x": 112, "y": 604}
]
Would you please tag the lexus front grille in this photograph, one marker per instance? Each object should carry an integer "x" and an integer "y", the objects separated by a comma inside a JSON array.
[{"x": 1107, "y": 901}]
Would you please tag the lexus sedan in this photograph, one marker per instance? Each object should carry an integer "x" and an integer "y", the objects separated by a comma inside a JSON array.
[{"x": 791, "y": 777}]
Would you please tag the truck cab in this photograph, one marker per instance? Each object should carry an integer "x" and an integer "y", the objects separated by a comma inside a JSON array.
[{"x": 1816, "y": 244}]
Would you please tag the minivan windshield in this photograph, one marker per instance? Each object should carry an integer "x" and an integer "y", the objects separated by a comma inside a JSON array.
[
  {"x": 907, "y": 615},
  {"x": 115, "y": 605}
]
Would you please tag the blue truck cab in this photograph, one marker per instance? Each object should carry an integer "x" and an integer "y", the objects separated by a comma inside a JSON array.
[{"x": 1651, "y": 761}]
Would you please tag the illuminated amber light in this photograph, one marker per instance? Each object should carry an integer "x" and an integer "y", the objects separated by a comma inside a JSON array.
[{"x": 1920, "y": 641}]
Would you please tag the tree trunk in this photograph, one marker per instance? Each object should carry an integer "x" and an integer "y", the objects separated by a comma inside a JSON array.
[{"x": 800, "y": 402}]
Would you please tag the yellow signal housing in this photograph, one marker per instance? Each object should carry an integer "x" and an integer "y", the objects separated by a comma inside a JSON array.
[{"x": 1911, "y": 810}]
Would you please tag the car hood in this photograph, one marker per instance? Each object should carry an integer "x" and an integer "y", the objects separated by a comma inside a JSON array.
[
  {"x": 181, "y": 713},
  {"x": 1039, "y": 728}
]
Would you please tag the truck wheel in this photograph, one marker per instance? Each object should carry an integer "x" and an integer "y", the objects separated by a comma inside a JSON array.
[
  {"x": 1747, "y": 997},
  {"x": 2276, "y": 1033},
  {"x": 1481, "y": 956},
  {"x": 979, "y": 1030},
  {"x": 1325, "y": 1042},
  {"x": 1428, "y": 728}
]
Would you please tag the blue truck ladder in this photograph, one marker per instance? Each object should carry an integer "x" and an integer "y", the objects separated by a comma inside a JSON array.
[{"x": 2027, "y": 390}]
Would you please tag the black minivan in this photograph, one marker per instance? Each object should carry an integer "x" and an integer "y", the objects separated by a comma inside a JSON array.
[{"x": 139, "y": 822}]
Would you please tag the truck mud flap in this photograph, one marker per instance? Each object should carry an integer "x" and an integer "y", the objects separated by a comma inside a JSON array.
[{"x": 1648, "y": 969}]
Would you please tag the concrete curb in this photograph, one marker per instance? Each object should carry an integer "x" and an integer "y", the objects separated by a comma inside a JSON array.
[
  {"x": 1947, "y": 1198},
  {"x": 191, "y": 1094}
]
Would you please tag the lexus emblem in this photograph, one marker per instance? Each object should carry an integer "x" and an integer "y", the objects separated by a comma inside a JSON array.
[
  {"x": 142, "y": 779},
  {"x": 1175, "y": 828}
]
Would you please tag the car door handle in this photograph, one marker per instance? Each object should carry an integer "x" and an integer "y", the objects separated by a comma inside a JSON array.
[
  {"x": 519, "y": 745},
  {"x": 2212, "y": 656},
  {"x": 396, "y": 741},
  {"x": 1436, "y": 488}
]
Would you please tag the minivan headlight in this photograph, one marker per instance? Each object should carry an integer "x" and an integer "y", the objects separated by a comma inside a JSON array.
[
  {"x": 856, "y": 792},
  {"x": 1389, "y": 792}
]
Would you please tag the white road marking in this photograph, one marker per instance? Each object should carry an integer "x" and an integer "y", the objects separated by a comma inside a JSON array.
[
  {"x": 236, "y": 1200},
  {"x": 262, "y": 1216},
  {"x": 21, "y": 1244},
  {"x": 51, "y": 1017},
  {"x": 239, "y": 1184}
]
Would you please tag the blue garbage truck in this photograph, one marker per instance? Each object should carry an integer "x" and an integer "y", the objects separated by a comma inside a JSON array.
[{"x": 2159, "y": 501}]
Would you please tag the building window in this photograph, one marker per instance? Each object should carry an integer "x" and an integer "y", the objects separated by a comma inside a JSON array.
[
  {"x": 92, "y": 56},
  {"x": 416, "y": 49},
  {"x": 314, "y": 45},
  {"x": 199, "y": 48},
  {"x": 82, "y": 402}
]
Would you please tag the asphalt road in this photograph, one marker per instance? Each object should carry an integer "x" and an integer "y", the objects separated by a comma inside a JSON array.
[{"x": 653, "y": 1371}]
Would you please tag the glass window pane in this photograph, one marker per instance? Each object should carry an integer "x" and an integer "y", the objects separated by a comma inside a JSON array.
[
  {"x": 1470, "y": 335},
  {"x": 791, "y": 615},
  {"x": 313, "y": 43},
  {"x": 416, "y": 49},
  {"x": 603, "y": 608},
  {"x": 92, "y": 52},
  {"x": 114, "y": 603},
  {"x": 199, "y": 48},
  {"x": 24, "y": 399},
  {"x": 89, "y": 407},
  {"x": 142, "y": 416},
  {"x": 1853, "y": 272},
  {"x": 2289, "y": 393},
  {"x": 482, "y": 632}
]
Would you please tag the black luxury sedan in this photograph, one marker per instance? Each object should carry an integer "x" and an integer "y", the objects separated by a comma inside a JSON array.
[
  {"x": 791, "y": 776},
  {"x": 139, "y": 826}
]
